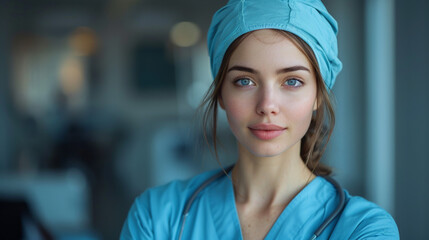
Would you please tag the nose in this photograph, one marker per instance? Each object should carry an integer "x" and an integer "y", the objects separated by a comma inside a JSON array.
[{"x": 267, "y": 102}]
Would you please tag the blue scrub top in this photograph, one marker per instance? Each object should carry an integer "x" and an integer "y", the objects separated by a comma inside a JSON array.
[{"x": 157, "y": 214}]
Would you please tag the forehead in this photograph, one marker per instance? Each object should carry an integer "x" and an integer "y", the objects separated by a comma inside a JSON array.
[{"x": 265, "y": 47}]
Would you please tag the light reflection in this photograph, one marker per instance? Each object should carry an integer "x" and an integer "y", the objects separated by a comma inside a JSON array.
[{"x": 71, "y": 76}]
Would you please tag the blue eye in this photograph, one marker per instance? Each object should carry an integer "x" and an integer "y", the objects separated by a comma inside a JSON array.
[
  {"x": 244, "y": 82},
  {"x": 293, "y": 83}
]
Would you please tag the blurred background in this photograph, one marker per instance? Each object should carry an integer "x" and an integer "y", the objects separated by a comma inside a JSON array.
[{"x": 98, "y": 102}]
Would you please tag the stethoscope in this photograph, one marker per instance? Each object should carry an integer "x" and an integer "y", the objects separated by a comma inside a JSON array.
[{"x": 319, "y": 230}]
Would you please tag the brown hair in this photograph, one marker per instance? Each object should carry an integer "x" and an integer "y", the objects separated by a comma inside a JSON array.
[{"x": 314, "y": 142}]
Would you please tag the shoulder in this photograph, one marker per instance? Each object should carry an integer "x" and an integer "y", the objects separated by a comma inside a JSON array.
[
  {"x": 365, "y": 220},
  {"x": 175, "y": 192},
  {"x": 159, "y": 209}
]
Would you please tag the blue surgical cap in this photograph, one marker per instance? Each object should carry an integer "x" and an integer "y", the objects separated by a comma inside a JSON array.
[{"x": 308, "y": 19}]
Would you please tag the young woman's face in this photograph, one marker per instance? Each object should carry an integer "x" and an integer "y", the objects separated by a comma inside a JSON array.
[{"x": 268, "y": 94}]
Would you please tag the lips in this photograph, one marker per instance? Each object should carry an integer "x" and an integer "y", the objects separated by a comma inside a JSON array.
[{"x": 266, "y": 131}]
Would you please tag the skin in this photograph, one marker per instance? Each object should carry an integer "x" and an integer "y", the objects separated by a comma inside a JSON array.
[{"x": 268, "y": 173}]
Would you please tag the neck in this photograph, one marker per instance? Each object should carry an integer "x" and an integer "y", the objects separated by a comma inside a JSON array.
[{"x": 269, "y": 181}]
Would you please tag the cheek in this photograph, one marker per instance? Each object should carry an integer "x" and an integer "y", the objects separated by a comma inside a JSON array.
[
  {"x": 300, "y": 111},
  {"x": 235, "y": 110},
  {"x": 300, "y": 114}
]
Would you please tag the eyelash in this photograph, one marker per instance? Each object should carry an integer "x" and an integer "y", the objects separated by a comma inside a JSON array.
[
  {"x": 296, "y": 79},
  {"x": 236, "y": 82}
]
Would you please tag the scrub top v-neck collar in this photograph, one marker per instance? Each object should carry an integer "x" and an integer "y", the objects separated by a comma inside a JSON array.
[{"x": 225, "y": 216}]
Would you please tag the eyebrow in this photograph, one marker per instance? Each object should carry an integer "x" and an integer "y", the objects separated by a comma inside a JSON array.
[{"x": 283, "y": 70}]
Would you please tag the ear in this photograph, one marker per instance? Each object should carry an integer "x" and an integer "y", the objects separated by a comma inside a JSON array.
[
  {"x": 220, "y": 100},
  {"x": 316, "y": 105}
]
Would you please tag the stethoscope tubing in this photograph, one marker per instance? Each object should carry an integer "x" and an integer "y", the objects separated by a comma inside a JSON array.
[
  {"x": 337, "y": 210},
  {"x": 195, "y": 194},
  {"x": 319, "y": 230}
]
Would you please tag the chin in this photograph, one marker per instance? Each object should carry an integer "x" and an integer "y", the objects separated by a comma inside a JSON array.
[
  {"x": 272, "y": 150},
  {"x": 266, "y": 153}
]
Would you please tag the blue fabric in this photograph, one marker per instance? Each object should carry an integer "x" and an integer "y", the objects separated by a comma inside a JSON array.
[
  {"x": 157, "y": 214},
  {"x": 307, "y": 19}
]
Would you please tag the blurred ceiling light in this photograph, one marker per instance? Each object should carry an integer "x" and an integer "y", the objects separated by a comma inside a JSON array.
[
  {"x": 185, "y": 34},
  {"x": 83, "y": 41}
]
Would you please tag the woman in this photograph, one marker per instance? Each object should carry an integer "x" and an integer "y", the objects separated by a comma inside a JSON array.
[{"x": 274, "y": 63}]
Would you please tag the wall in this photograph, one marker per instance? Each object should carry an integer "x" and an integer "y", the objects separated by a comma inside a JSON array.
[{"x": 412, "y": 125}]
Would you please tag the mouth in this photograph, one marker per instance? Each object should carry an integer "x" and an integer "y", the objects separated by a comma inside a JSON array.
[{"x": 266, "y": 131}]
